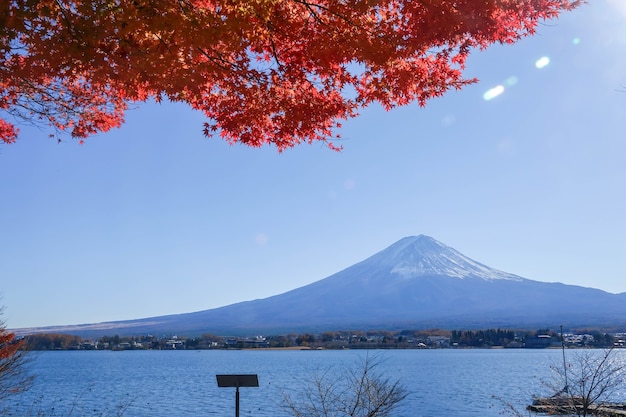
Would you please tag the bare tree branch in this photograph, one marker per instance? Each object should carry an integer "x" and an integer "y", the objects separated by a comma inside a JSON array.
[{"x": 361, "y": 392}]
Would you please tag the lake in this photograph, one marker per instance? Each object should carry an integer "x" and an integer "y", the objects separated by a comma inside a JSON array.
[{"x": 445, "y": 382}]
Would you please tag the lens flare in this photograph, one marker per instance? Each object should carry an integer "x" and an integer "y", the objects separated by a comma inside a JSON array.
[
  {"x": 511, "y": 81},
  {"x": 493, "y": 92},
  {"x": 542, "y": 62}
]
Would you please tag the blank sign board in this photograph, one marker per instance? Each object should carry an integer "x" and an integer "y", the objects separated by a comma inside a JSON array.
[{"x": 251, "y": 380}]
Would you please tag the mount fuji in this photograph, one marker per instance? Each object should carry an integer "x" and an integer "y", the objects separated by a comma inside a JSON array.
[{"x": 415, "y": 283}]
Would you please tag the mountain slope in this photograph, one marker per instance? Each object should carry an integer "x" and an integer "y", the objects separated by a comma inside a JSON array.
[{"x": 417, "y": 282}]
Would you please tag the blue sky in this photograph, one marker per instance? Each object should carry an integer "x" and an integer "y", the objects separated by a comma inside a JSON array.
[{"x": 155, "y": 219}]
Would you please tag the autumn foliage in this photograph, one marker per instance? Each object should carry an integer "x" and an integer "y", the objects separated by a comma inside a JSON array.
[
  {"x": 8, "y": 345},
  {"x": 12, "y": 359},
  {"x": 276, "y": 72}
]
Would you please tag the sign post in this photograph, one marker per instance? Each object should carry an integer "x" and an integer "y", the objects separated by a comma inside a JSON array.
[{"x": 250, "y": 380}]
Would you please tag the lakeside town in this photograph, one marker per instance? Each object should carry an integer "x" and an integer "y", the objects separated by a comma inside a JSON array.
[{"x": 374, "y": 339}]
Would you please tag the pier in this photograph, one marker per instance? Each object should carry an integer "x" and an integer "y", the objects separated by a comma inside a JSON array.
[{"x": 604, "y": 410}]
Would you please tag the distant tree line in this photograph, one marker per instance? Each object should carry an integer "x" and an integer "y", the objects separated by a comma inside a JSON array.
[
  {"x": 483, "y": 338},
  {"x": 52, "y": 341},
  {"x": 355, "y": 339}
]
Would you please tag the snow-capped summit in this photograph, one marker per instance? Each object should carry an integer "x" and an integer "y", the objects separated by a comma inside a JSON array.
[{"x": 418, "y": 256}]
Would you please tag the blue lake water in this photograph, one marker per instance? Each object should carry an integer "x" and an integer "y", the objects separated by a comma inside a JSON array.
[{"x": 446, "y": 382}]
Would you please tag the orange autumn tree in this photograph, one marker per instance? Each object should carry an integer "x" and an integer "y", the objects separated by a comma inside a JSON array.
[
  {"x": 12, "y": 360},
  {"x": 279, "y": 72}
]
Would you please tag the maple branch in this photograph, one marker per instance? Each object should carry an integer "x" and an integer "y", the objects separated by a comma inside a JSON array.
[
  {"x": 269, "y": 27},
  {"x": 77, "y": 64},
  {"x": 315, "y": 14},
  {"x": 219, "y": 61},
  {"x": 162, "y": 42},
  {"x": 183, "y": 3},
  {"x": 68, "y": 23},
  {"x": 63, "y": 12}
]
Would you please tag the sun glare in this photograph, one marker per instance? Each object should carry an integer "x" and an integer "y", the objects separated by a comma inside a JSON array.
[{"x": 619, "y": 5}]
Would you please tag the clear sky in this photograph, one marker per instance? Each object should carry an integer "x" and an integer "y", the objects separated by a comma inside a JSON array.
[{"x": 524, "y": 171}]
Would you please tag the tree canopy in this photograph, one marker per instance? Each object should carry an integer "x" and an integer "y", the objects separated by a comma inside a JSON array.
[{"x": 279, "y": 72}]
